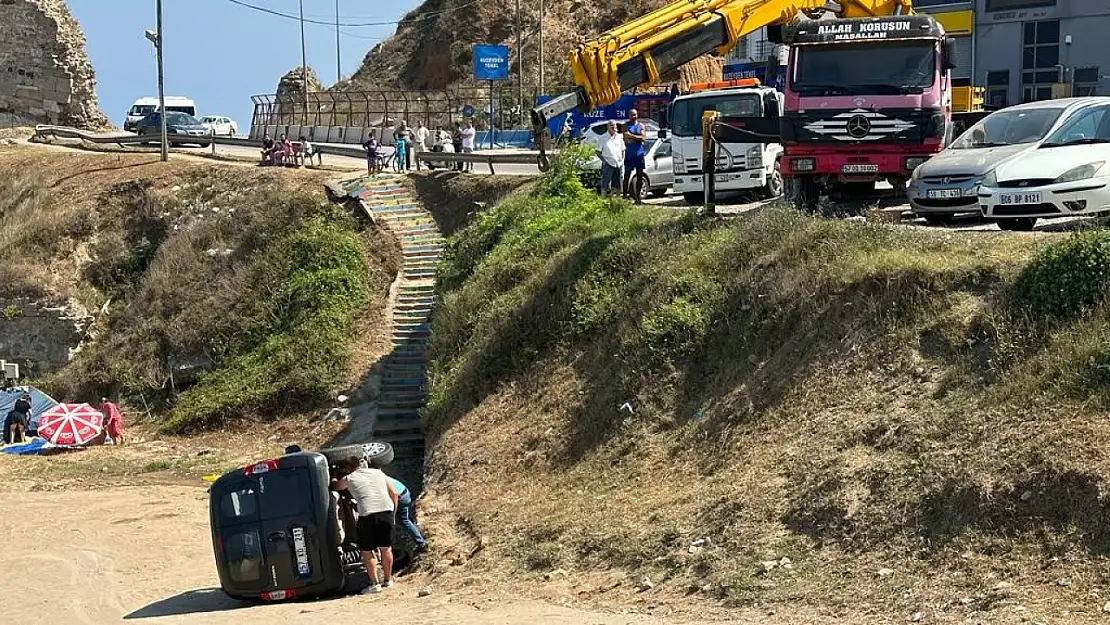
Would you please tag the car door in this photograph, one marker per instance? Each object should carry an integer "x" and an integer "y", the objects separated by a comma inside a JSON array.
[{"x": 662, "y": 166}]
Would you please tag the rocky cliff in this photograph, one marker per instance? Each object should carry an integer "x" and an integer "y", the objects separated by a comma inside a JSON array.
[
  {"x": 432, "y": 46},
  {"x": 45, "y": 74}
]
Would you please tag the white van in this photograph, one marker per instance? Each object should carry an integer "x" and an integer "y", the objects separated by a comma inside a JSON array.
[{"x": 145, "y": 106}]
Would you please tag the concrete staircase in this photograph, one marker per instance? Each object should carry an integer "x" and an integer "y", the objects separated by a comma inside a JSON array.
[{"x": 392, "y": 414}]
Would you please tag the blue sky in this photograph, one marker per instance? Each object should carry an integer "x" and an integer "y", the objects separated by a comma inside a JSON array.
[{"x": 218, "y": 53}]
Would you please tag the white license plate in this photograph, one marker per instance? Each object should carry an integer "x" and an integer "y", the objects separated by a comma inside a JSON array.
[
  {"x": 301, "y": 550},
  {"x": 943, "y": 194},
  {"x": 1031, "y": 197},
  {"x": 859, "y": 168}
]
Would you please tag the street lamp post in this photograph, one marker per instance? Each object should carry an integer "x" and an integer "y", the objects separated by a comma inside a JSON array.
[
  {"x": 304, "y": 65},
  {"x": 338, "y": 63},
  {"x": 156, "y": 39}
]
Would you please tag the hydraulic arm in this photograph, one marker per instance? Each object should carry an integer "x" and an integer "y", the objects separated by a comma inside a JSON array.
[{"x": 638, "y": 53}]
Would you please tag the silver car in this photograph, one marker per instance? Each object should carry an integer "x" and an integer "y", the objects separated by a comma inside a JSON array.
[{"x": 948, "y": 183}]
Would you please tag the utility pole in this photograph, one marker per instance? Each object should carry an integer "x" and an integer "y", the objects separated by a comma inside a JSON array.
[
  {"x": 519, "y": 63},
  {"x": 161, "y": 83},
  {"x": 304, "y": 64},
  {"x": 338, "y": 61},
  {"x": 541, "y": 48}
]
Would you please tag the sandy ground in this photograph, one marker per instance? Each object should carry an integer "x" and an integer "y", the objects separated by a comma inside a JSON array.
[{"x": 107, "y": 555}]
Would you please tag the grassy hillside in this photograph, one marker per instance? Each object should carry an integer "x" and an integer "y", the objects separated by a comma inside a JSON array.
[
  {"x": 218, "y": 291},
  {"x": 613, "y": 383}
]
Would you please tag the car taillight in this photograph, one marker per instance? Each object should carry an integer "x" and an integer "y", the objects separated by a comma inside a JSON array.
[
  {"x": 278, "y": 595},
  {"x": 261, "y": 467}
]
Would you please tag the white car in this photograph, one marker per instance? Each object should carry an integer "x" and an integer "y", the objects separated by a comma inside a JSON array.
[
  {"x": 658, "y": 168},
  {"x": 221, "y": 126},
  {"x": 1067, "y": 174},
  {"x": 594, "y": 133}
]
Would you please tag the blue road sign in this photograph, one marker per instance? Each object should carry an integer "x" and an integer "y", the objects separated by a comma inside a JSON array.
[
  {"x": 491, "y": 62},
  {"x": 468, "y": 111}
]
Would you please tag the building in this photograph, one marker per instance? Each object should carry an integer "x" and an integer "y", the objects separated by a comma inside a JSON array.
[
  {"x": 958, "y": 19},
  {"x": 1039, "y": 49},
  {"x": 748, "y": 59}
]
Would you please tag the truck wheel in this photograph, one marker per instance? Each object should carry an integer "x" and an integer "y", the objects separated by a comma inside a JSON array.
[
  {"x": 695, "y": 198},
  {"x": 1017, "y": 224},
  {"x": 806, "y": 194},
  {"x": 774, "y": 185}
]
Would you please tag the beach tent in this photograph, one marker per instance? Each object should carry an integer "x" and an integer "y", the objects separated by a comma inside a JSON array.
[{"x": 40, "y": 403}]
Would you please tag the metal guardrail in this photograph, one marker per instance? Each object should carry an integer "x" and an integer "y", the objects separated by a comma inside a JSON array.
[{"x": 352, "y": 151}]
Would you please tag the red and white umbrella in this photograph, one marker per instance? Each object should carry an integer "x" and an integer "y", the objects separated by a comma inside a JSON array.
[{"x": 71, "y": 424}]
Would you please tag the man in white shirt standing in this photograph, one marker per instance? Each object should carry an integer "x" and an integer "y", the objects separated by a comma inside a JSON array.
[
  {"x": 468, "y": 134},
  {"x": 612, "y": 157},
  {"x": 376, "y": 501},
  {"x": 419, "y": 142}
]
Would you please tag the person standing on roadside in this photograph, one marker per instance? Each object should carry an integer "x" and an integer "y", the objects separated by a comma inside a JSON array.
[
  {"x": 376, "y": 502},
  {"x": 371, "y": 147},
  {"x": 419, "y": 142},
  {"x": 456, "y": 142},
  {"x": 634, "y": 136},
  {"x": 403, "y": 134},
  {"x": 468, "y": 135},
  {"x": 404, "y": 513},
  {"x": 612, "y": 157}
]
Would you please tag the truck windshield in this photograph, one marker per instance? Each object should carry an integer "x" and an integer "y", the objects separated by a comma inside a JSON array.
[
  {"x": 686, "y": 114},
  {"x": 1009, "y": 127},
  {"x": 864, "y": 68}
]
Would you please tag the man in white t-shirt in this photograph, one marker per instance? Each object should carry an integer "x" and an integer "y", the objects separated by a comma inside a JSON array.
[
  {"x": 419, "y": 142},
  {"x": 376, "y": 501},
  {"x": 468, "y": 134},
  {"x": 612, "y": 158}
]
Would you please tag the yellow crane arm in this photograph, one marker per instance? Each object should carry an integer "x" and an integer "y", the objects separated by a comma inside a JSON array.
[{"x": 637, "y": 53}]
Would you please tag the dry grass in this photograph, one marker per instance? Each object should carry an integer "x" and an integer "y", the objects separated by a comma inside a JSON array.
[{"x": 612, "y": 385}]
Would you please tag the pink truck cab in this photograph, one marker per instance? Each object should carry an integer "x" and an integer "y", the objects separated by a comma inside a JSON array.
[{"x": 866, "y": 99}]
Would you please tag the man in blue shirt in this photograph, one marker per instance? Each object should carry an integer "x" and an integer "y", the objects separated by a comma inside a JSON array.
[
  {"x": 404, "y": 513},
  {"x": 634, "y": 136}
]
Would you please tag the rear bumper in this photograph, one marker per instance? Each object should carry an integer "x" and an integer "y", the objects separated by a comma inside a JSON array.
[{"x": 725, "y": 181}]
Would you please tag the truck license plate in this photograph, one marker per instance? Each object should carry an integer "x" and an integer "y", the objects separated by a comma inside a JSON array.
[
  {"x": 859, "y": 168},
  {"x": 1030, "y": 197},
  {"x": 301, "y": 551},
  {"x": 943, "y": 194}
]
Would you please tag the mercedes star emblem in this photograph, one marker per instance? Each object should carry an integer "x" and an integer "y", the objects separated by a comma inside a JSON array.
[{"x": 858, "y": 127}]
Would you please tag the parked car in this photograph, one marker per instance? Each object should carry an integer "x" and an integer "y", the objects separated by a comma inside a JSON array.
[
  {"x": 222, "y": 126},
  {"x": 278, "y": 530},
  {"x": 1066, "y": 174},
  {"x": 592, "y": 135},
  {"x": 948, "y": 183},
  {"x": 658, "y": 168},
  {"x": 180, "y": 128}
]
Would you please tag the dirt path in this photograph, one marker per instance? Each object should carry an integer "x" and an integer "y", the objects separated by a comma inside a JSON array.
[{"x": 143, "y": 553}]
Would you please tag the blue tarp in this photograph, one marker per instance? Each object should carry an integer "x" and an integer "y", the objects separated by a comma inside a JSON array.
[
  {"x": 34, "y": 447},
  {"x": 40, "y": 403}
]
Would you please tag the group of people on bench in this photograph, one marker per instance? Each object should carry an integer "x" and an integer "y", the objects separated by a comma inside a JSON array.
[{"x": 286, "y": 152}]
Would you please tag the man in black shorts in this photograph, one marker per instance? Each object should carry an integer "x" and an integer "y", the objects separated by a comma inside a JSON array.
[{"x": 377, "y": 506}]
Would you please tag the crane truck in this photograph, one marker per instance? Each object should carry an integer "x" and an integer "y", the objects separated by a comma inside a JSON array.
[{"x": 868, "y": 93}]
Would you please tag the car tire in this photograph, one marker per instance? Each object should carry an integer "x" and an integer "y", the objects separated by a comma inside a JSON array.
[
  {"x": 939, "y": 219},
  {"x": 806, "y": 194},
  {"x": 643, "y": 186},
  {"x": 774, "y": 186},
  {"x": 1017, "y": 224},
  {"x": 694, "y": 198},
  {"x": 377, "y": 453}
]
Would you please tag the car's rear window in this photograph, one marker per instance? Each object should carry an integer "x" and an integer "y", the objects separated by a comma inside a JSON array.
[
  {"x": 285, "y": 493},
  {"x": 243, "y": 556}
]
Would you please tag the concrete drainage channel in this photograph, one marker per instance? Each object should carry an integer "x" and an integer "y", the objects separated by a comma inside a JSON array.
[{"x": 392, "y": 414}]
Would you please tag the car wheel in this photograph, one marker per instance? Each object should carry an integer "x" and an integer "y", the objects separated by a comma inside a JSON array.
[
  {"x": 643, "y": 186},
  {"x": 696, "y": 198},
  {"x": 939, "y": 219},
  {"x": 806, "y": 193},
  {"x": 774, "y": 185},
  {"x": 377, "y": 453},
  {"x": 1017, "y": 224}
]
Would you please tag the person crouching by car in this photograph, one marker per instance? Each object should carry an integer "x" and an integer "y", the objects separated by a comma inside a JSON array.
[{"x": 376, "y": 502}]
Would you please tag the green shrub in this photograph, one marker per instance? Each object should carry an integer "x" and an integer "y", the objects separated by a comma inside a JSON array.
[
  {"x": 674, "y": 329},
  {"x": 1067, "y": 277}
]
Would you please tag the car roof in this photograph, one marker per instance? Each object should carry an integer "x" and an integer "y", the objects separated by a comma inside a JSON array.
[
  {"x": 175, "y": 99},
  {"x": 1063, "y": 103}
]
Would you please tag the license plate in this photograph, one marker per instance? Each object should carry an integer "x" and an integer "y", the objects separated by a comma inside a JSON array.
[
  {"x": 859, "y": 168},
  {"x": 943, "y": 194},
  {"x": 301, "y": 551},
  {"x": 1031, "y": 197}
]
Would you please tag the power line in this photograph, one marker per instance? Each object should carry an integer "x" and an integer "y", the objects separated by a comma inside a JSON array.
[{"x": 255, "y": 7}]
